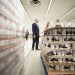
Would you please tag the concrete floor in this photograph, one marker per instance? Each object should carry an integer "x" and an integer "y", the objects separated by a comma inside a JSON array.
[
  {"x": 27, "y": 47},
  {"x": 33, "y": 64}
]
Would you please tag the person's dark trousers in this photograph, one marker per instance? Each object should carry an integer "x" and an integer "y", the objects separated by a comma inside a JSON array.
[
  {"x": 26, "y": 37},
  {"x": 35, "y": 41}
]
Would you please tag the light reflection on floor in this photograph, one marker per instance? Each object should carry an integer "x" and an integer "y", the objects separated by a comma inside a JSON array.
[{"x": 33, "y": 65}]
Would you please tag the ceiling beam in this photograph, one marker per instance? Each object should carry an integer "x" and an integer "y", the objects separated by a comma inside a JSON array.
[{"x": 48, "y": 8}]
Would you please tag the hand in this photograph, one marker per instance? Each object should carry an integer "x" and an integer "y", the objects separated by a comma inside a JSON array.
[{"x": 34, "y": 36}]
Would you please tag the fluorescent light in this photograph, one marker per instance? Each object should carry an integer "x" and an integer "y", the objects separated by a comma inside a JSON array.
[
  {"x": 67, "y": 14},
  {"x": 48, "y": 8}
]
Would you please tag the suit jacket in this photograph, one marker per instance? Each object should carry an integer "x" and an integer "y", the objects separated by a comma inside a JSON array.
[{"x": 35, "y": 29}]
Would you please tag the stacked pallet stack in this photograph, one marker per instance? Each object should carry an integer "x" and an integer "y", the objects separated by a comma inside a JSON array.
[
  {"x": 11, "y": 41},
  {"x": 58, "y": 50}
]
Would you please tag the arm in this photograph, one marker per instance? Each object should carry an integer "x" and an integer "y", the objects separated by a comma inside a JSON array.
[{"x": 33, "y": 29}]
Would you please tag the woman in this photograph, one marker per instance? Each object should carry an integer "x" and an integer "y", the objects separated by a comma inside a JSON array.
[{"x": 47, "y": 26}]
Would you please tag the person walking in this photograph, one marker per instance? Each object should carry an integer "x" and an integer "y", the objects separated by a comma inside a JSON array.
[
  {"x": 35, "y": 34},
  {"x": 27, "y": 33}
]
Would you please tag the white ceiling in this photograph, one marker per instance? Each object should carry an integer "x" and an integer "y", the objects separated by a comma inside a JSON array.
[
  {"x": 69, "y": 16},
  {"x": 59, "y": 9}
]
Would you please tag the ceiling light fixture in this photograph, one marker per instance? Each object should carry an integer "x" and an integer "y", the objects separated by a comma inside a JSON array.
[
  {"x": 48, "y": 8},
  {"x": 35, "y": 3}
]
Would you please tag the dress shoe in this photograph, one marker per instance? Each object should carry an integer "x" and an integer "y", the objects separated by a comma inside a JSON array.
[
  {"x": 52, "y": 66},
  {"x": 32, "y": 49},
  {"x": 60, "y": 46},
  {"x": 45, "y": 33},
  {"x": 74, "y": 32},
  {"x": 68, "y": 53},
  {"x": 59, "y": 32},
  {"x": 48, "y": 33},
  {"x": 55, "y": 46},
  {"x": 45, "y": 44},
  {"x": 71, "y": 32},
  {"x": 54, "y": 59},
  {"x": 64, "y": 46},
  {"x": 56, "y": 53},
  {"x": 66, "y": 67},
  {"x": 50, "y": 53},
  {"x": 49, "y": 45},
  {"x": 71, "y": 45},
  {"x": 67, "y": 60},
  {"x": 37, "y": 49},
  {"x": 72, "y": 60},
  {"x": 70, "y": 39},
  {"x": 47, "y": 38},
  {"x": 54, "y": 39},
  {"x": 65, "y": 39},
  {"x": 66, "y": 32}
]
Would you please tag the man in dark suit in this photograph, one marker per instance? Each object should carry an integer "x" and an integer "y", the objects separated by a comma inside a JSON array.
[{"x": 35, "y": 31}]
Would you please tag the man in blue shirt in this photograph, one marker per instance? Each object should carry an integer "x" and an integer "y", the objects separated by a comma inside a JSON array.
[{"x": 35, "y": 31}]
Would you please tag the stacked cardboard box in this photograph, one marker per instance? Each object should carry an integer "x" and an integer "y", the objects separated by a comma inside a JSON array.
[{"x": 11, "y": 40}]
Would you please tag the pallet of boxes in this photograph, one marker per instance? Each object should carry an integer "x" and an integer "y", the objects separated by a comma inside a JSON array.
[{"x": 58, "y": 50}]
